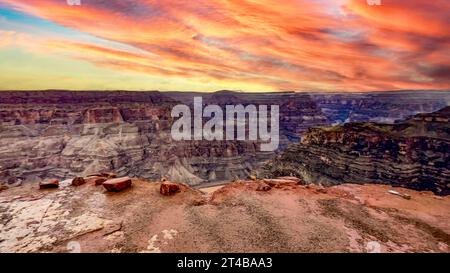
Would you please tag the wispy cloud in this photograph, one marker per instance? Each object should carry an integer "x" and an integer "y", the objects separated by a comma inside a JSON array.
[{"x": 343, "y": 45}]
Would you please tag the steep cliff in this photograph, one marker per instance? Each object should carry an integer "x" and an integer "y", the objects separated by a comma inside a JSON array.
[{"x": 414, "y": 153}]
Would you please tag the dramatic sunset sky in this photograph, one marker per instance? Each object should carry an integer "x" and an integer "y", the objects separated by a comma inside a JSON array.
[{"x": 208, "y": 45}]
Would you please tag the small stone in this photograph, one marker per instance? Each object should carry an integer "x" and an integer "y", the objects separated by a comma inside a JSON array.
[
  {"x": 253, "y": 177},
  {"x": 49, "y": 184},
  {"x": 117, "y": 184},
  {"x": 3, "y": 187},
  {"x": 406, "y": 196},
  {"x": 263, "y": 187},
  {"x": 168, "y": 188},
  {"x": 78, "y": 181}
]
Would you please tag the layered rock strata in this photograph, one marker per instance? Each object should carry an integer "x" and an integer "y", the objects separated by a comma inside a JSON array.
[
  {"x": 62, "y": 134},
  {"x": 414, "y": 154}
]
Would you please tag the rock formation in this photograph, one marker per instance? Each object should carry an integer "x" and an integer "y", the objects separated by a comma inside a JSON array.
[
  {"x": 49, "y": 184},
  {"x": 62, "y": 134},
  {"x": 117, "y": 184},
  {"x": 168, "y": 188},
  {"x": 414, "y": 153},
  {"x": 78, "y": 181},
  {"x": 384, "y": 107}
]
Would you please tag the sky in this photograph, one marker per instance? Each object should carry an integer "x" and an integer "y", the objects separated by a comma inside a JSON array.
[{"x": 248, "y": 45}]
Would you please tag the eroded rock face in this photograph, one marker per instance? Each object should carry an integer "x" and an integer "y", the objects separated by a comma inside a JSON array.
[
  {"x": 59, "y": 134},
  {"x": 67, "y": 134},
  {"x": 384, "y": 107},
  {"x": 414, "y": 153}
]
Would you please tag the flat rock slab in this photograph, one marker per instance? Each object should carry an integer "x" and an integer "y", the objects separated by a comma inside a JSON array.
[
  {"x": 49, "y": 184},
  {"x": 291, "y": 178},
  {"x": 279, "y": 182},
  {"x": 117, "y": 184}
]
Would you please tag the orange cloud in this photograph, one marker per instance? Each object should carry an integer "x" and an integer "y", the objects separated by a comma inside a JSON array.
[{"x": 341, "y": 45}]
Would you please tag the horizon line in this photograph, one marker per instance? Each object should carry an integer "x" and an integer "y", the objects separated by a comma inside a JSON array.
[{"x": 225, "y": 90}]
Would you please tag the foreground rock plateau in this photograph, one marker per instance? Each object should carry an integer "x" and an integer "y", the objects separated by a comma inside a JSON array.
[{"x": 272, "y": 215}]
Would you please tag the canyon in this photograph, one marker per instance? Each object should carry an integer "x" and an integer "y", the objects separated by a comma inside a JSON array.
[
  {"x": 341, "y": 181},
  {"x": 61, "y": 134}
]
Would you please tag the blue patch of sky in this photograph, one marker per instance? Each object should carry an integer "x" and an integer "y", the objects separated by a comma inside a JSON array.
[{"x": 13, "y": 20}]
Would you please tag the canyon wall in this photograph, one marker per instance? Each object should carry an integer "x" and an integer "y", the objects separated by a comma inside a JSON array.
[
  {"x": 384, "y": 107},
  {"x": 414, "y": 153},
  {"x": 60, "y": 134}
]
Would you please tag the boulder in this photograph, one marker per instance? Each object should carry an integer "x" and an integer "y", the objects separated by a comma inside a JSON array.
[
  {"x": 168, "y": 188},
  {"x": 97, "y": 180},
  {"x": 49, "y": 184},
  {"x": 117, "y": 184},
  {"x": 78, "y": 181}
]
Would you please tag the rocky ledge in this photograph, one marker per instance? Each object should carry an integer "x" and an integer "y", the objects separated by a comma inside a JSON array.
[{"x": 272, "y": 215}]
